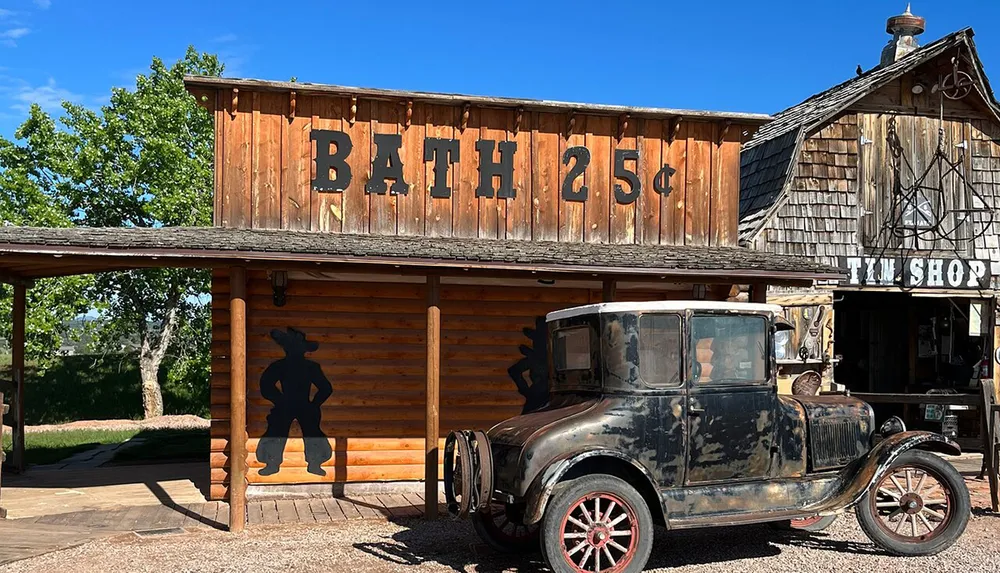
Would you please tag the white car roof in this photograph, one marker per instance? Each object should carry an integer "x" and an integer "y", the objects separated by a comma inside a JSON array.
[{"x": 661, "y": 306}]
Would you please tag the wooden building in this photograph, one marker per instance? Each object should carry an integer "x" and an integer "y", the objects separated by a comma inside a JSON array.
[
  {"x": 383, "y": 262},
  {"x": 893, "y": 176}
]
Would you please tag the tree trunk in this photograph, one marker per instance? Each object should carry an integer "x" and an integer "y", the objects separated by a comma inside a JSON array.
[
  {"x": 152, "y": 398},
  {"x": 151, "y": 356}
]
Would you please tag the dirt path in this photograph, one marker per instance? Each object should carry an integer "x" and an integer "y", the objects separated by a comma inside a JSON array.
[{"x": 182, "y": 422}]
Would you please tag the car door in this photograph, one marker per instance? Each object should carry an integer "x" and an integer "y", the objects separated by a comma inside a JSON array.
[
  {"x": 731, "y": 400},
  {"x": 661, "y": 370}
]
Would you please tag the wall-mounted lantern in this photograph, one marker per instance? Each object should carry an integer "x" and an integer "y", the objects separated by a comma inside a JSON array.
[
  {"x": 698, "y": 292},
  {"x": 279, "y": 282}
]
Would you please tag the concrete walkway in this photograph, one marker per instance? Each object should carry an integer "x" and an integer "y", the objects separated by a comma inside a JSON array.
[{"x": 39, "y": 492}]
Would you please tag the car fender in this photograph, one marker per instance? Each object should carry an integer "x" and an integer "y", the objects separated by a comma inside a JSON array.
[
  {"x": 541, "y": 489},
  {"x": 857, "y": 478}
]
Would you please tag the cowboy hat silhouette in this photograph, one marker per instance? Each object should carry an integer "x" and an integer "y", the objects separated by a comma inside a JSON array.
[{"x": 293, "y": 341}]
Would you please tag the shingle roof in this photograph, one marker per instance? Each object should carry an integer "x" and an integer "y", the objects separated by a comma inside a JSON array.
[
  {"x": 764, "y": 170},
  {"x": 214, "y": 245},
  {"x": 768, "y": 158}
]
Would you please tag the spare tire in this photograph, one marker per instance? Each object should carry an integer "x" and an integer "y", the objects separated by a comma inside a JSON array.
[
  {"x": 457, "y": 474},
  {"x": 468, "y": 472}
]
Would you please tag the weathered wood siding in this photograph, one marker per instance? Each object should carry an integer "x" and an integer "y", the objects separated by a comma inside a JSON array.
[
  {"x": 371, "y": 338},
  {"x": 841, "y": 196},
  {"x": 916, "y": 165},
  {"x": 266, "y": 163},
  {"x": 820, "y": 217},
  {"x": 985, "y": 176}
]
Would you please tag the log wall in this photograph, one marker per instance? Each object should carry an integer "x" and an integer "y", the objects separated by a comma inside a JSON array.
[{"x": 371, "y": 339}]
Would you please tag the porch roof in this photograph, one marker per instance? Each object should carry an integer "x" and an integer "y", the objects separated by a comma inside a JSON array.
[{"x": 28, "y": 253}]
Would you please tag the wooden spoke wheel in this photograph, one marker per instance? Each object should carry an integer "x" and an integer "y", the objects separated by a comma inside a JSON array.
[
  {"x": 502, "y": 527},
  {"x": 597, "y": 524},
  {"x": 920, "y": 506},
  {"x": 597, "y": 538},
  {"x": 810, "y": 524}
]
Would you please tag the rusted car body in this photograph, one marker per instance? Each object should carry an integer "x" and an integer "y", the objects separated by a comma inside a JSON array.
[{"x": 678, "y": 400}]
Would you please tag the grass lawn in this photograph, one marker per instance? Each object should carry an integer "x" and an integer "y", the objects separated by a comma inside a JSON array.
[
  {"x": 161, "y": 446},
  {"x": 51, "y": 447}
]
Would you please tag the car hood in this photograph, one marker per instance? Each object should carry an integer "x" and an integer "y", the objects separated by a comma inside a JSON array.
[
  {"x": 821, "y": 407},
  {"x": 516, "y": 431}
]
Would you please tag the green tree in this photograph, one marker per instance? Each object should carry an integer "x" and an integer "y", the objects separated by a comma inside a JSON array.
[
  {"x": 146, "y": 160},
  {"x": 32, "y": 168}
]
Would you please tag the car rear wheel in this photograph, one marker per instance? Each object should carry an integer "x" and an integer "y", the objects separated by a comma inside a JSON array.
[
  {"x": 502, "y": 527},
  {"x": 596, "y": 523},
  {"x": 919, "y": 507}
]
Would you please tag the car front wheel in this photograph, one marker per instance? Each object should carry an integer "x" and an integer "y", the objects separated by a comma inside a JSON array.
[
  {"x": 596, "y": 523},
  {"x": 919, "y": 507}
]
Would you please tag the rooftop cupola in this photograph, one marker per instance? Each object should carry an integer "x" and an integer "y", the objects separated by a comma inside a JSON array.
[{"x": 904, "y": 29}]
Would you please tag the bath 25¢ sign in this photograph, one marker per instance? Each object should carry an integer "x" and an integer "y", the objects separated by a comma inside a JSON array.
[{"x": 334, "y": 147}]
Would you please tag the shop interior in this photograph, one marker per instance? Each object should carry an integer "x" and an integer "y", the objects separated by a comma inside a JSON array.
[{"x": 915, "y": 343}]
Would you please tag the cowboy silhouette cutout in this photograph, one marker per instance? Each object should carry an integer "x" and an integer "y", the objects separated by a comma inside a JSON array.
[
  {"x": 536, "y": 365},
  {"x": 296, "y": 376}
]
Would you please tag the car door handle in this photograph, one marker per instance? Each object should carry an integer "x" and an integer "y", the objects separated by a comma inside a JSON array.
[{"x": 693, "y": 408}]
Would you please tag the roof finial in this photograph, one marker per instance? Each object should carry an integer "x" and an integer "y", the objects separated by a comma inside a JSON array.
[{"x": 904, "y": 29}]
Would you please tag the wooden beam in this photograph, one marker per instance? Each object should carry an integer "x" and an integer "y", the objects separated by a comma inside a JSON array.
[
  {"x": 237, "y": 399},
  {"x": 610, "y": 286},
  {"x": 17, "y": 369},
  {"x": 758, "y": 292},
  {"x": 433, "y": 414},
  {"x": 14, "y": 278}
]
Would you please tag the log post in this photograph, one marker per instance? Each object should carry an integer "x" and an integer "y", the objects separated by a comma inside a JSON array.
[
  {"x": 17, "y": 370},
  {"x": 609, "y": 291},
  {"x": 432, "y": 417},
  {"x": 237, "y": 399}
]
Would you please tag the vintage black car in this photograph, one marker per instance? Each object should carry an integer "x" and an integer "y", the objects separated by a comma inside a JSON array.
[{"x": 668, "y": 413}]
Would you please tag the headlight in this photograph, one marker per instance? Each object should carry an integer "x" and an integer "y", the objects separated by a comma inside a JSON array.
[{"x": 893, "y": 425}]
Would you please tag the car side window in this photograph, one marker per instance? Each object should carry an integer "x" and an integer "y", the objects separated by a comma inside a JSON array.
[
  {"x": 727, "y": 348},
  {"x": 660, "y": 349},
  {"x": 571, "y": 348}
]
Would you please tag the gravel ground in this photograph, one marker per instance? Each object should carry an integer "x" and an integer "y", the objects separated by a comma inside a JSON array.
[{"x": 379, "y": 547}]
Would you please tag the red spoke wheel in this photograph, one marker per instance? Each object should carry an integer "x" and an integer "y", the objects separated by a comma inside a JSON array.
[
  {"x": 810, "y": 524},
  {"x": 597, "y": 524},
  {"x": 502, "y": 527},
  {"x": 920, "y": 506}
]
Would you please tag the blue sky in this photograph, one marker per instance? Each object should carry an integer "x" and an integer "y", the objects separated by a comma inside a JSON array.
[{"x": 712, "y": 54}]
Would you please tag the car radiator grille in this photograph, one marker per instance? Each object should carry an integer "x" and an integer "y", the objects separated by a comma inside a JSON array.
[{"x": 836, "y": 442}]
